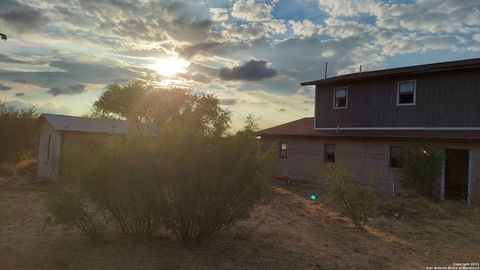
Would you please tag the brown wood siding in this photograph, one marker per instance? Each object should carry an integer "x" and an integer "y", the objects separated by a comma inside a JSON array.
[{"x": 442, "y": 100}]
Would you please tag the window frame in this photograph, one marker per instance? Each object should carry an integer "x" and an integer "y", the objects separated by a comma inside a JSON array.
[
  {"x": 335, "y": 97},
  {"x": 282, "y": 154},
  {"x": 390, "y": 156},
  {"x": 325, "y": 159},
  {"x": 414, "y": 93}
]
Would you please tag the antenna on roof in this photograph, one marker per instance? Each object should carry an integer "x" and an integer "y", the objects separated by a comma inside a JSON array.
[
  {"x": 326, "y": 68},
  {"x": 360, "y": 69}
]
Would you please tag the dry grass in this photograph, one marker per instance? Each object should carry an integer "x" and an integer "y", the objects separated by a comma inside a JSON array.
[
  {"x": 291, "y": 232},
  {"x": 26, "y": 166}
]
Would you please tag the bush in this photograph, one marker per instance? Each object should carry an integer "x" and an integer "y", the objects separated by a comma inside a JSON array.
[
  {"x": 70, "y": 209},
  {"x": 118, "y": 178},
  {"x": 356, "y": 199},
  {"x": 194, "y": 185},
  {"x": 421, "y": 169},
  {"x": 17, "y": 131},
  {"x": 210, "y": 183}
]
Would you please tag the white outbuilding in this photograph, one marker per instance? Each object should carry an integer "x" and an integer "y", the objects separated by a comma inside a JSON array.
[{"x": 58, "y": 131}]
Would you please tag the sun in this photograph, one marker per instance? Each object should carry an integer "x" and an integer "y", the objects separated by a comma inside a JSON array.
[{"x": 169, "y": 66}]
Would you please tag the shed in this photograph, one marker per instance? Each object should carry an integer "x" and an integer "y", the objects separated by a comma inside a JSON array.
[{"x": 57, "y": 130}]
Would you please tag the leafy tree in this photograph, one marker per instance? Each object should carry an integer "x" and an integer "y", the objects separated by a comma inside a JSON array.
[
  {"x": 17, "y": 131},
  {"x": 141, "y": 102},
  {"x": 3, "y": 36},
  {"x": 123, "y": 101},
  {"x": 251, "y": 124}
]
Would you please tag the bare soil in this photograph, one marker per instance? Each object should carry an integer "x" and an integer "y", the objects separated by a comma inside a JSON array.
[{"x": 289, "y": 232}]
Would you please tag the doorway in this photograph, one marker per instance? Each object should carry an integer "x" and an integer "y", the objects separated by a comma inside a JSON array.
[{"x": 456, "y": 174}]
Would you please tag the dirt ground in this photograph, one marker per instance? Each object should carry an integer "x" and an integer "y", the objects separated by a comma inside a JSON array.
[{"x": 290, "y": 232}]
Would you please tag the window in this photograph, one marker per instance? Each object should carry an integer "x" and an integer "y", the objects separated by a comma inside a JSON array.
[
  {"x": 340, "y": 98},
  {"x": 282, "y": 153},
  {"x": 329, "y": 153},
  {"x": 397, "y": 154},
  {"x": 47, "y": 156},
  {"x": 406, "y": 93}
]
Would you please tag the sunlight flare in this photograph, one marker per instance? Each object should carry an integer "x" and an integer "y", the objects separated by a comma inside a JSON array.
[{"x": 169, "y": 66}]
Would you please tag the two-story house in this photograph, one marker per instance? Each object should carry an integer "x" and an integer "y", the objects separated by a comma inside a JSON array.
[{"x": 366, "y": 120}]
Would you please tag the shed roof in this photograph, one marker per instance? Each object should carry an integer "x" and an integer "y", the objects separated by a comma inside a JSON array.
[
  {"x": 84, "y": 124},
  {"x": 304, "y": 128},
  {"x": 401, "y": 71}
]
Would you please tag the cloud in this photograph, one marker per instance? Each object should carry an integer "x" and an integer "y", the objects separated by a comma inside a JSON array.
[
  {"x": 252, "y": 10},
  {"x": 348, "y": 8},
  {"x": 305, "y": 28},
  {"x": 72, "y": 90},
  {"x": 20, "y": 94},
  {"x": 188, "y": 29},
  {"x": 219, "y": 14},
  {"x": 4, "y": 87},
  {"x": 228, "y": 101},
  {"x": 244, "y": 32},
  {"x": 198, "y": 48},
  {"x": 9, "y": 59},
  {"x": 253, "y": 70},
  {"x": 47, "y": 107},
  {"x": 73, "y": 73},
  {"x": 21, "y": 17}
]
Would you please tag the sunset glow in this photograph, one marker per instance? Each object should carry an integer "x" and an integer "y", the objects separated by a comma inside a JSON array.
[{"x": 169, "y": 66}]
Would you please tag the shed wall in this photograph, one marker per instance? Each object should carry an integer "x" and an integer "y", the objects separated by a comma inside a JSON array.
[{"x": 48, "y": 155}]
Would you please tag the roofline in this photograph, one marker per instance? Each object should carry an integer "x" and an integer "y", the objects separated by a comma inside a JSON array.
[
  {"x": 371, "y": 138},
  {"x": 83, "y": 117},
  {"x": 406, "y": 70},
  {"x": 259, "y": 133},
  {"x": 42, "y": 117}
]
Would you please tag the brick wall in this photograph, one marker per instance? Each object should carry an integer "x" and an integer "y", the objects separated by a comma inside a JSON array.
[{"x": 305, "y": 160}]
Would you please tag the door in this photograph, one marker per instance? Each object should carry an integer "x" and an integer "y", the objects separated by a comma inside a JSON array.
[{"x": 456, "y": 174}]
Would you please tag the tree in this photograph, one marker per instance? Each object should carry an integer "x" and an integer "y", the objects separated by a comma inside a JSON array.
[
  {"x": 17, "y": 129},
  {"x": 141, "y": 102},
  {"x": 3, "y": 36}
]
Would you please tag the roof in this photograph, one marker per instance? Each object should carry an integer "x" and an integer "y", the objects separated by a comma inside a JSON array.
[
  {"x": 304, "y": 128},
  {"x": 84, "y": 124},
  {"x": 419, "y": 69}
]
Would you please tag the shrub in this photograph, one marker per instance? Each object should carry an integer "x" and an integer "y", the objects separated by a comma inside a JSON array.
[
  {"x": 421, "y": 169},
  {"x": 70, "y": 209},
  {"x": 356, "y": 199},
  {"x": 118, "y": 178},
  {"x": 122, "y": 181},
  {"x": 210, "y": 183},
  {"x": 194, "y": 185},
  {"x": 17, "y": 131}
]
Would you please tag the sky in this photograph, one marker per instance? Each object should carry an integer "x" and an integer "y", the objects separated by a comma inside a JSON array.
[{"x": 251, "y": 54}]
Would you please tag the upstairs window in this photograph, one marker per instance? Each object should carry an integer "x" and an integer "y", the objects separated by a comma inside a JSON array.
[
  {"x": 397, "y": 154},
  {"x": 329, "y": 153},
  {"x": 282, "y": 153},
  {"x": 406, "y": 93},
  {"x": 340, "y": 98}
]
